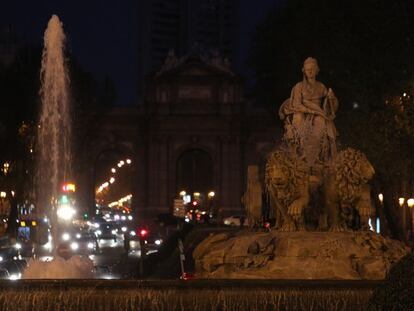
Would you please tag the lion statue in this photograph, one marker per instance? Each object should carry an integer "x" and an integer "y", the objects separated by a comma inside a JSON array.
[
  {"x": 287, "y": 184},
  {"x": 347, "y": 192}
]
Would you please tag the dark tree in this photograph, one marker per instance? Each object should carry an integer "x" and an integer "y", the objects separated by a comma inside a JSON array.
[{"x": 364, "y": 50}]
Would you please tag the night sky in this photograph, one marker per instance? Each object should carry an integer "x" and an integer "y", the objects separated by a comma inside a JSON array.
[{"x": 102, "y": 34}]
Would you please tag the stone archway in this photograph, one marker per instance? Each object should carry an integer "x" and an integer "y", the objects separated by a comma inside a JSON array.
[
  {"x": 113, "y": 179},
  {"x": 194, "y": 172}
]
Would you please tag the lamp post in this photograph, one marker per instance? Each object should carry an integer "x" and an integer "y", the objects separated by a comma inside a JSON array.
[
  {"x": 401, "y": 202},
  {"x": 410, "y": 203}
]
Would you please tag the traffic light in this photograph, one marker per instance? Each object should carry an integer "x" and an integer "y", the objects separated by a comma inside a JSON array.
[
  {"x": 64, "y": 199},
  {"x": 69, "y": 187},
  {"x": 85, "y": 216},
  {"x": 143, "y": 233}
]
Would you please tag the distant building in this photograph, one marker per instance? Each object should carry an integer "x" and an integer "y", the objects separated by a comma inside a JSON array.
[
  {"x": 178, "y": 25},
  {"x": 8, "y": 46},
  {"x": 195, "y": 133}
]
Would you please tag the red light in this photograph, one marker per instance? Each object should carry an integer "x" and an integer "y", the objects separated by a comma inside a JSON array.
[
  {"x": 143, "y": 232},
  {"x": 69, "y": 187},
  {"x": 194, "y": 203}
]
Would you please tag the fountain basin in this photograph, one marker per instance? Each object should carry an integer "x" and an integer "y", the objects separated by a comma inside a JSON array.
[{"x": 186, "y": 295}]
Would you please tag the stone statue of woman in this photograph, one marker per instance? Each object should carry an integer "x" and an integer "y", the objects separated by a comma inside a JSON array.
[{"x": 308, "y": 116}]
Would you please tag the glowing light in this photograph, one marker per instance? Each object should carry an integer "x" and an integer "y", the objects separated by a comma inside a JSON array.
[
  {"x": 128, "y": 161},
  {"x": 64, "y": 199},
  {"x": 410, "y": 202},
  {"x": 196, "y": 194},
  {"x": 113, "y": 170},
  {"x": 143, "y": 232},
  {"x": 90, "y": 245},
  {"x": 16, "y": 276},
  {"x": 34, "y": 223},
  {"x": 2, "y": 194},
  {"x": 74, "y": 246},
  {"x": 22, "y": 224},
  {"x": 65, "y": 237},
  {"x": 130, "y": 217},
  {"x": 18, "y": 246},
  {"x": 66, "y": 212},
  {"x": 183, "y": 193},
  {"x": 381, "y": 197},
  {"x": 69, "y": 187},
  {"x": 211, "y": 194},
  {"x": 112, "y": 180},
  {"x": 378, "y": 225},
  {"x": 401, "y": 201}
]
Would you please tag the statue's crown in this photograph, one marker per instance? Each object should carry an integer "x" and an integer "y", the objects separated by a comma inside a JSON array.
[{"x": 310, "y": 60}]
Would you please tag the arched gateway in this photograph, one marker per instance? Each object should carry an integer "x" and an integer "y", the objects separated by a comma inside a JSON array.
[{"x": 194, "y": 111}]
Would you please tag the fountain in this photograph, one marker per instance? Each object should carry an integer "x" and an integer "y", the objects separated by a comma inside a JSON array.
[
  {"x": 300, "y": 246},
  {"x": 320, "y": 202},
  {"x": 53, "y": 152}
]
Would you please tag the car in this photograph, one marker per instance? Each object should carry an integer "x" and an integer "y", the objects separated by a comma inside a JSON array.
[
  {"x": 14, "y": 268},
  {"x": 4, "y": 274},
  {"x": 8, "y": 253},
  {"x": 85, "y": 243},
  {"x": 107, "y": 232},
  {"x": 235, "y": 220},
  {"x": 152, "y": 240}
]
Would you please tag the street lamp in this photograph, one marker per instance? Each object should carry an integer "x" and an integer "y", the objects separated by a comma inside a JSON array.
[
  {"x": 410, "y": 203},
  {"x": 381, "y": 198},
  {"x": 401, "y": 201}
]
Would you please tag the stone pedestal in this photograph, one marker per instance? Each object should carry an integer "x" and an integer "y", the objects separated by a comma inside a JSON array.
[{"x": 297, "y": 255}]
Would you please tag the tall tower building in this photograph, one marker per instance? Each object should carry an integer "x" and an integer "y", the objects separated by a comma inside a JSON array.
[{"x": 178, "y": 25}]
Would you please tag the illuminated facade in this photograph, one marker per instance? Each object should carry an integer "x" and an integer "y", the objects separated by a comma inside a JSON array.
[{"x": 195, "y": 133}]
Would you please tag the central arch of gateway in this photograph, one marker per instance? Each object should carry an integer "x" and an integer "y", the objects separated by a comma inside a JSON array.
[{"x": 195, "y": 130}]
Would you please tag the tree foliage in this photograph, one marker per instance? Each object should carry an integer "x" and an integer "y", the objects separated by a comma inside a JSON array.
[{"x": 364, "y": 50}]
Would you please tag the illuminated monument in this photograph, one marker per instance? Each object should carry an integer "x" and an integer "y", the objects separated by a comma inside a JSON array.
[{"x": 320, "y": 204}]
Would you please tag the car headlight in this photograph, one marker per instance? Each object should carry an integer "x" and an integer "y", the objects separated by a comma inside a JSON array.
[
  {"x": 48, "y": 245},
  {"x": 15, "y": 276},
  {"x": 66, "y": 237},
  {"x": 74, "y": 246},
  {"x": 158, "y": 242},
  {"x": 124, "y": 229},
  {"x": 90, "y": 245}
]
